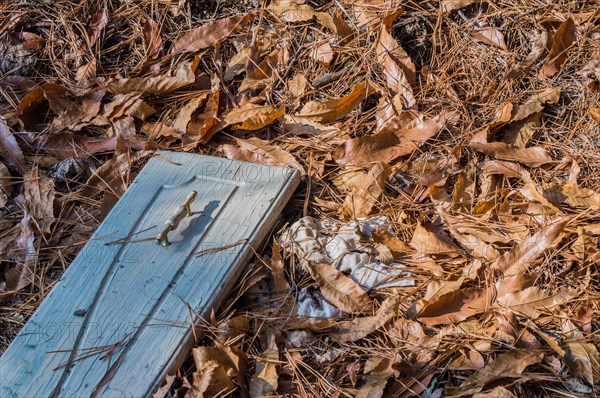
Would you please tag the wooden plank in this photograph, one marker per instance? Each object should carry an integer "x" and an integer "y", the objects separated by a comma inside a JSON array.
[{"x": 130, "y": 301}]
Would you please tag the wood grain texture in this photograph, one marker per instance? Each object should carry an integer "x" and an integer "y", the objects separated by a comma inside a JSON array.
[{"x": 119, "y": 315}]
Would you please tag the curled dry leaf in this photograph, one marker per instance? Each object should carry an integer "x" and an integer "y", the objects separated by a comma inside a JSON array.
[
  {"x": 95, "y": 27},
  {"x": 329, "y": 111},
  {"x": 583, "y": 360},
  {"x": 538, "y": 50},
  {"x": 574, "y": 195},
  {"x": 563, "y": 39},
  {"x": 185, "y": 113},
  {"x": 296, "y": 11},
  {"x": 489, "y": 35},
  {"x": 516, "y": 260},
  {"x": 184, "y": 76},
  {"x": 86, "y": 73},
  {"x": 209, "y": 34},
  {"x": 365, "y": 192},
  {"x": 451, "y": 5},
  {"x": 21, "y": 275},
  {"x": 39, "y": 200},
  {"x": 323, "y": 54},
  {"x": 387, "y": 145},
  {"x": 10, "y": 149},
  {"x": 259, "y": 151},
  {"x": 508, "y": 364},
  {"x": 427, "y": 242},
  {"x": 399, "y": 69},
  {"x": 253, "y": 117},
  {"x": 153, "y": 45},
  {"x": 533, "y": 156},
  {"x": 360, "y": 327},
  {"x": 338, "y": 289},
  {"x": 264, "y": 382}
]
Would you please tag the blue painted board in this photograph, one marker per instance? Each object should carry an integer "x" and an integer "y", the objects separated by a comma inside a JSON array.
[{"x": 118, "y": 320}]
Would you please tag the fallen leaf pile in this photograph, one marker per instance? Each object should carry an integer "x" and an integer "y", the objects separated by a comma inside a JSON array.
[{"x": 467, "y": 131}]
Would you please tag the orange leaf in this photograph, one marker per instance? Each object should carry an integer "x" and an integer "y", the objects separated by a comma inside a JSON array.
[{"x": 563, "y": 39}]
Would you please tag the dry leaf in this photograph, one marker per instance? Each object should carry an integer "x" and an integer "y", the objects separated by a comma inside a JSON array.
[
  {"x": 532, "y": 157},
  {"x": 538, "y": 50},
  {"x": 360, "y": 327},
  {"x": 209, "y": 34},
  {"x": 532, "y": 300},
  {"x": 398, "y": 248},
  {"x": 39, "y": 200},
  {"x": 184, "y": 76},
  {"x": 366, "y": 191},
  {"x": 489, "y": 35},
  {"x": 451, "y": 5},
  {"x": 296, "y": 11},
  {"x": 185, "y": 113},
  {"x": 426, "y": 242},
  {"x": 386, "y": 145},
  {"x": 95, "y": 27},
  {"x": 518, "y": 259},
  {"x": 508, "y": 364},
  {"x": 21, "y": 275},
  {"x": 265, "y": 379},
  {"x": 10, "y": 149},
  {"x": 574, "y": 195},
  {"x": 338, "y": 289},
  {"x": 329, "y": 111},
  {"x": 562, "y": 41},
  {"x": 253, "y": 117},
  {"x": 258, "y": 151},
  {"x": 153, "y": 45},
  {"x": 86, "y": 73},
  {"x": 399, "y": 69},
  {"x": 583, "y": 360},
  {"x": 322, "y": 54}
]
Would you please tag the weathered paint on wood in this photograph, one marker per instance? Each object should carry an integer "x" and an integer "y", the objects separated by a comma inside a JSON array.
[{"x": 120, "y": 313}]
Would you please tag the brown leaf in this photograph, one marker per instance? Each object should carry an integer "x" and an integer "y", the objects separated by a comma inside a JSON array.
[
  {"x": 86, "y": 73},
  {"x": 259, "y": 151},
  {"x": 39, "y": 200},
  {"x": 530, "y": 301},
  {"x": 521, "y": 256},
  {"x": 295, "y": 11},
  {"x": 153, "y": 45},
  {"x": 399, "y": 69},
  {"x": 184, "y": 76},
  {"x": 373, "y": 390},
  {"x": 95, "y": 27},
  {"x": 510, "y": 331},
  {"x": 458, "y": 305},
  {"x": 366, "y": 192},
  {"x": 388, "y": 145},
  {"x": 185, "y": 113},
  {"x": 209, "y": 34},
  {"x": 451, "y": 5},
  {"x": 21, "y": 275},
  {"x": 338, "y": 289},
  {"x": 329, "y": 111},
  {"x": 427, "y": 242},
  {"x": 532, "y": 157},
  {"x": 277, "y": 267},
  {"x": 562, "y": 41},
  {"x": 398, "y": 248},
  {"x": 508, "y": 364},
  {"x": 10, "y": 149},
  {"x": 360, "y": 327},
  {"x": 538, "y": 50},
  {"x": 583, "y": 360},
  {"x": 265, "y": 379},
  {"x": 574, "y": 195},
  {"x": 489, "y": 35},
  {"x": 322, "y": 54},
  {"x": 253, "y": 117}
]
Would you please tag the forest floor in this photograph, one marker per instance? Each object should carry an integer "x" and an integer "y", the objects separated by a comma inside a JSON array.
[{"x": 445, "y": 238}]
